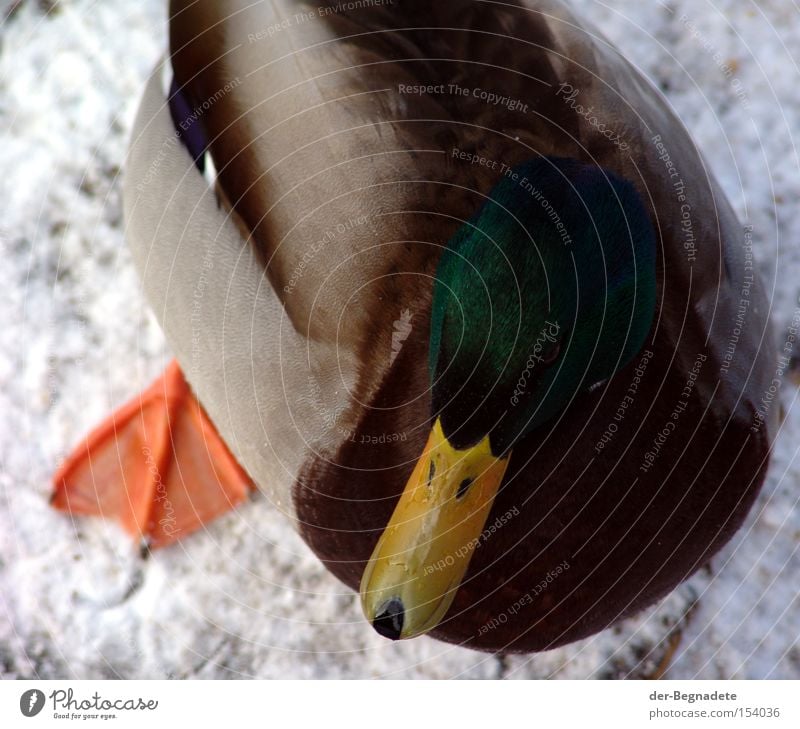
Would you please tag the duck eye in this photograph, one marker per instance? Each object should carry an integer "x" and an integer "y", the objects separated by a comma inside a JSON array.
[{"x": 550, "y": 354}]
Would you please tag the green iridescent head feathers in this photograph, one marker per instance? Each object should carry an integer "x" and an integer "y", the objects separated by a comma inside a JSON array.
[{"x": 548, "y": 289}]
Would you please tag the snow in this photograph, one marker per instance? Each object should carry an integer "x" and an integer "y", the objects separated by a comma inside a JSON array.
[{"x": 247, "y": 598}]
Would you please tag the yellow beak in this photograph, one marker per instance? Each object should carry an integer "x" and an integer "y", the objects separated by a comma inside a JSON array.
[{"x": 422, "y": 555}]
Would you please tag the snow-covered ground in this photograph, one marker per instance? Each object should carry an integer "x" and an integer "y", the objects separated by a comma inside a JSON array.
[{"x": 247, "y": 598}]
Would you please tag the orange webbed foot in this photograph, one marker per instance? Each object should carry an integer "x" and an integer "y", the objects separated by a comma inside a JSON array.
[{"x": 157, "y": 466}]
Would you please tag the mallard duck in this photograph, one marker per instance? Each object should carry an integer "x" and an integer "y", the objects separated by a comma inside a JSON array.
[{"x": 452, "y": 285}]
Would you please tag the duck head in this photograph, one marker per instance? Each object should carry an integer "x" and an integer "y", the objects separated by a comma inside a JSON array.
[{"x": 547, "y": 291}]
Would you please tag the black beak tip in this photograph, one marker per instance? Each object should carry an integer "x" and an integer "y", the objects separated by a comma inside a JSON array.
[{"x": 389, "y": 620}]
